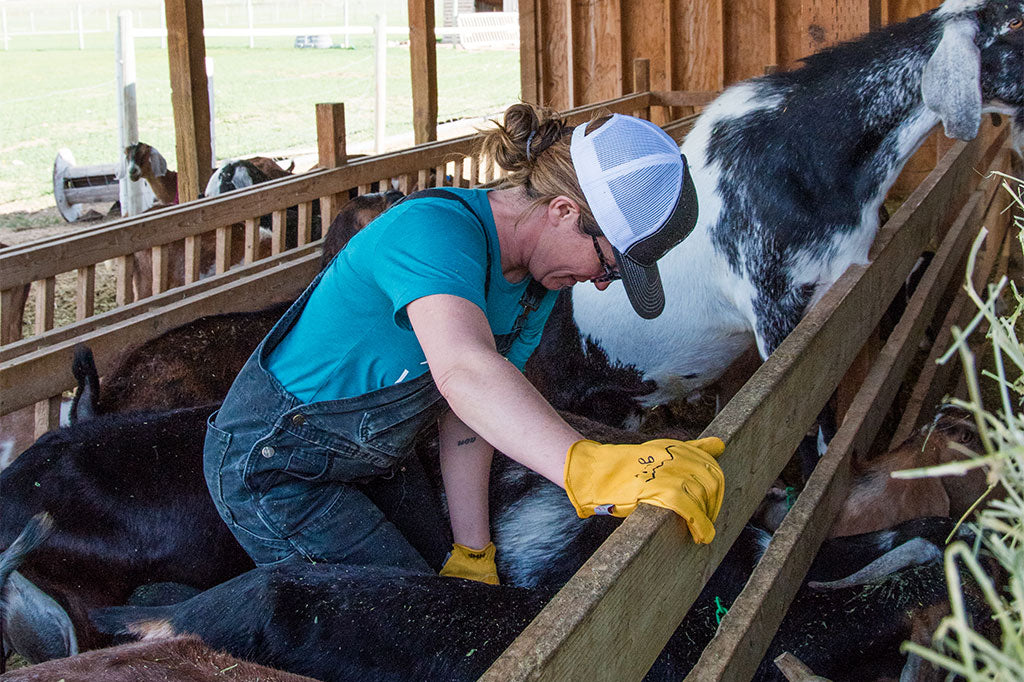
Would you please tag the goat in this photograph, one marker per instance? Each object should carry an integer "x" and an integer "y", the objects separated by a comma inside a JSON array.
[
  {"x": 129, "y": 506},
  {"x": 337, "y": 622},
  {"x": 144, "y": 162},
  {"x": 157, "y": 660},
  {"x": 790, "y": 171},
  {"x": 876, "y": 500},
  {"x": 192, "y": 364},
  {"x": 30, "y": 621},
  {"x": 356, "y": 214},
  {"x": 238, "y": 173}
]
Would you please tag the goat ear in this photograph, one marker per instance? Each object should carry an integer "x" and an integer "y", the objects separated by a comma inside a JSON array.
[
  {"x": 951, "y": 81},
  {"x": 158, "y": 164}
]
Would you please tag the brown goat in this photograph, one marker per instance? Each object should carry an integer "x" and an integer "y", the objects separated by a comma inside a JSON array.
[
  {"x": 184, "y": 658},
  {"x": 877, "y": 501}
]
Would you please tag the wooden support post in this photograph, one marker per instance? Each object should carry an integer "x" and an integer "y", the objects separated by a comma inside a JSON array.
[
  {"x": 530, "y": 58},
  {"x": 331, "y": 150},
  {"x": 85, "y": 292},
  {"x": 423, "y": 62},
  {"x": 186, "y": 53}
]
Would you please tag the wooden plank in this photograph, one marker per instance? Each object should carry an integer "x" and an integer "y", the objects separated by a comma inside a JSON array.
[
  {"x": 10, "y": 315},
  {"x": 750, "y": 40},
  {"x": 222, "y": 254},
  {"x": 44, "y": 291},
  {"x": 277, "y": 225},
  {"x": 529, "y": 55},
  {"x": 570, "y": 52},
  {"x": 305, "y": 219},
  {"x": 186, "y": 53},
  {"x": 330, "y": 134},
  {"x": 125, "y": 266},
  {"x": 192, "y": 258},
  {"x": 85, "y": 292},
  {"x": 678, "y": 98},
  {"x": 117, "y": 315},
  {"x": 789, "y": 32},
  {"x": 47, "y": 415},
  {"x": 252, "y": 241},
  {"x": 649, "y": 565},
  {"x": 747, "y": 629},
  {"x": 158, "y": 259},
  {"x": 46, "y": 371},
  {"x": 423, "y": 67}
]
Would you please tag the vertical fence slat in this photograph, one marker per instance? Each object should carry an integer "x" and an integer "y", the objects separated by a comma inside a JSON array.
[
  {"x": 252, "y": 241},
  {"x": 474, "y": 170},
  {"x": 47, "y": 416},
  {"x": 10, "y": 315},
  {"x": 44, "y": 304},
  {"x": 159, "y": 260},
  {"x": 423, "y": 179},
  {"x": 85, "y": 292},
  {"x": 363, "y": 189},
  {"x": 123, "y": 291},
  {"x": 277, "y": 223},
  {"x": 305, "y": 220},
  {"x": 439, "y": 175},
  {"x": 222, "y": 253},
  {"x": 192, "y": 246}
]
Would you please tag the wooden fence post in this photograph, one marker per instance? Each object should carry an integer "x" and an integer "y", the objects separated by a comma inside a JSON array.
[
  {"x": 330, "y": 142},
  {"x": 423, "y": 58}
]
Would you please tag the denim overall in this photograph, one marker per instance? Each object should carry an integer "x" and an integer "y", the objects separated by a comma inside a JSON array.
[{"x": 312, "y": 482}]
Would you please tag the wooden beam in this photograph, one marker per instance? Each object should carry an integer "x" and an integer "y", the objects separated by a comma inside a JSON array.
[
  {"x": 190, "y": 100},
  {"x": 649, "y": 565},
  {"x": 423, "y": 67},
  {"x": 45, "y": 372}
]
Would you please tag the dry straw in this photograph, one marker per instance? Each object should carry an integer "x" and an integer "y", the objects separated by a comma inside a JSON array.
[{"x": 957, "y": 646}]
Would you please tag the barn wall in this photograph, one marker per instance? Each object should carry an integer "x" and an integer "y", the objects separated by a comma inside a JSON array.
[{"x": 578, "y": 52}]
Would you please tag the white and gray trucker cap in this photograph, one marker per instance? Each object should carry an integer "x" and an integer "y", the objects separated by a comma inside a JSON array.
[{"x": 640, "y": 191}]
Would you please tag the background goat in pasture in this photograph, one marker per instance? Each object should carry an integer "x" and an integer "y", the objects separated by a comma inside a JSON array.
[{"x": 790, "y": 171}]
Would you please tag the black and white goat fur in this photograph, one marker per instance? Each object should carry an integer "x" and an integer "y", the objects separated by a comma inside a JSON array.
[{"x": 790, "y": 171}]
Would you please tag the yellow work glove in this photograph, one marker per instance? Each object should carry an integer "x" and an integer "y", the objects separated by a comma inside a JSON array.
[
  {"x": 472, "y": 564},
  {"x": 679, "y": 475}
]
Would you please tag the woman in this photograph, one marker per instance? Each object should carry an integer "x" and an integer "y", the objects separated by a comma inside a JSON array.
[{"x": 311, "y": 443}]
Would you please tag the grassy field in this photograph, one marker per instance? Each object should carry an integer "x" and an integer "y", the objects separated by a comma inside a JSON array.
[{"x": 264, "y": 99}]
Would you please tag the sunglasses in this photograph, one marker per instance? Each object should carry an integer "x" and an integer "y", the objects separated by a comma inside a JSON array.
[{"x": 610, "y": 274}]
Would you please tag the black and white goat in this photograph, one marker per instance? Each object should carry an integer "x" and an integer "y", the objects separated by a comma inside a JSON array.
[{"x": 790, "y": 171}]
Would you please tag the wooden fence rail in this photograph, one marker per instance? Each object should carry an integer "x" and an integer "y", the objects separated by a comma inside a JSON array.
[{"x": 36, "y": 369}]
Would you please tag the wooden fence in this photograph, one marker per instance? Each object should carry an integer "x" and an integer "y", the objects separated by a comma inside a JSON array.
[
  {"x": 646, "y": 575},
  {"x": 35, "y": 370}
]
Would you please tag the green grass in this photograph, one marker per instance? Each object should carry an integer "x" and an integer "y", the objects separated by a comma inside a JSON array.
[{"x": 264, "y": 98}]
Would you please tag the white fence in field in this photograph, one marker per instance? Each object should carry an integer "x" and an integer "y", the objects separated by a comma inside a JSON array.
[{"x": 484, "y": 30}]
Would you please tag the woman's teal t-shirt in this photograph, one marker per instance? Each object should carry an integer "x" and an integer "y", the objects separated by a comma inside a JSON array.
[{"x": 354, "y": 336}]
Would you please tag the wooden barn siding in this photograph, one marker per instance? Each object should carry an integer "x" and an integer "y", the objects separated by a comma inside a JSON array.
[{"x": 578, "y": 51}]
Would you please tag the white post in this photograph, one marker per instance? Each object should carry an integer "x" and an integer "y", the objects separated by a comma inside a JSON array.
[
  {"x": 252, "y": 38},
  {"x": 130, "y": 192},
  {"x": 209, "y": 94},
  {"x": 31, "y": 21},
  {"x": 81, "y": 30},
  {"x": 3, "y": 23},
  {"x": 344, "y": 6},
  {"x": 106, "y": 19},
  {"x": 163, "y": 25},
  {"x": 380, "y": 47}
]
